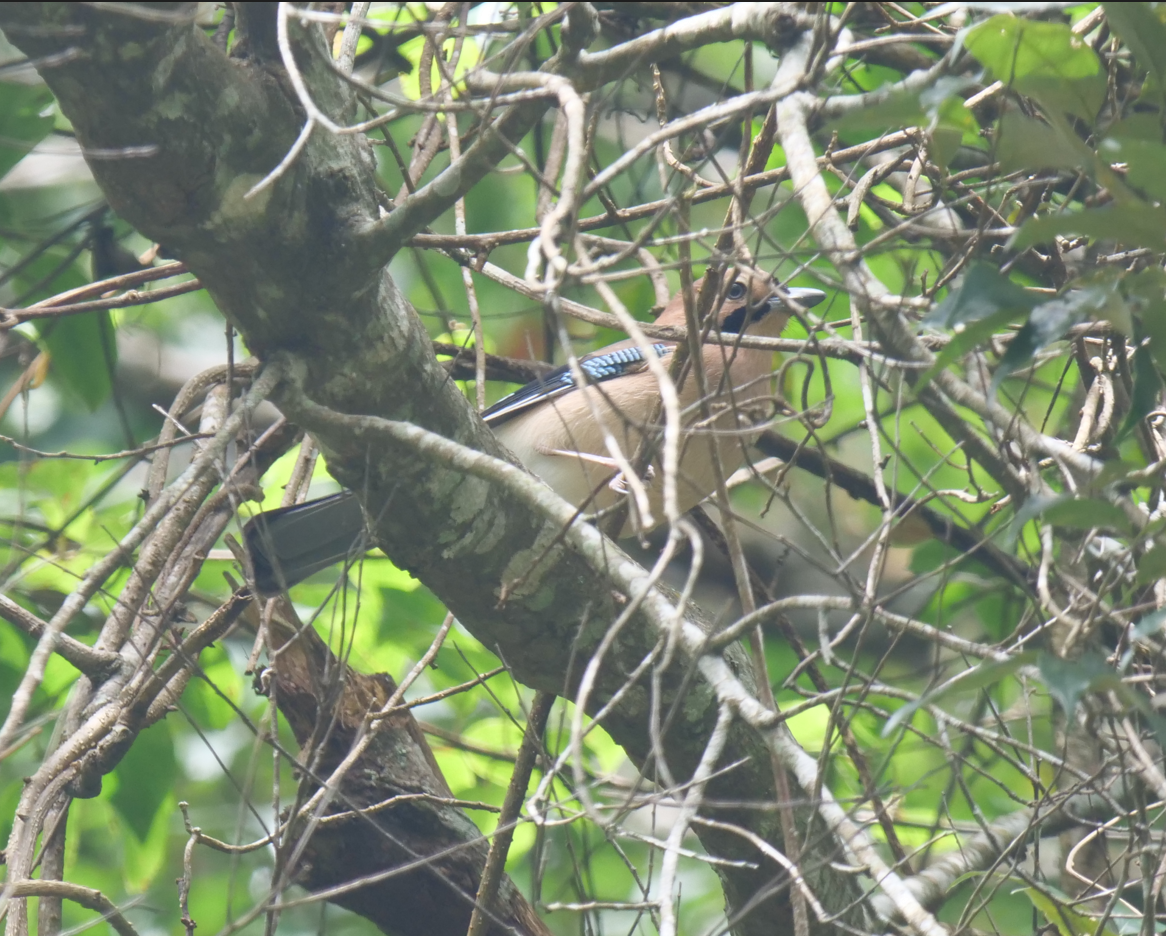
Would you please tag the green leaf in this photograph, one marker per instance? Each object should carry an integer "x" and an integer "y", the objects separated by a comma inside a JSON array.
[
  {"x": 1068, "y": 922},
  {"x": 1056, "y": 144},
  {"x": 1068, "y": 680},
  {"x": 1065, "y": 510},
  {"x": 1043, "y": 60},
  {"x": 145, "y": 777},
  {"x": 1144, "y": 159},
  {"x": 946, "y": 89},
  {"x": 981, "y": 303},
  {"x": 206, "y": 705},
  {"x": 1030, "y": 510},
  {"x": 1132, "y": 225},
  {"x": 1087, "y": 513},
  {"x": 979, "y": 677},
  {"x": 145, "y": 858},
  {"x": 1053, "y": 318},
  {"x": 1147, "y": 390},
  {"x": 1028, "y": 143},
  {"x": 1081, "y": 97},
  {"x": 21, "y": 123},
  {"x": 951, "y": 124},
  {"x": 963, "y": 341},
  {"x": 1143, "y": 33},
  {"x": 1152, "y": 623},
  {"x": 1047, "y": 323},
  {"x": 1017, "y": 48},
  {"x": 84, "y": 351},
  {"x": 1145, "y": 293},
  {"x": 982, "y": 292},
  {"x": 897, "y": 110},
  {"x": 1151, "y": 567},
  {"x": 1119, "y": 470},
  {"x": 1140, "y": 125},
  {"x": 944, "y": 143},
  {"x": 1021, "y": 349},
  {"x": 939, "y": 108}
]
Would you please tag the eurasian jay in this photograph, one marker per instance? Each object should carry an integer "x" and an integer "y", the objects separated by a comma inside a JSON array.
[{"x": 562, "y": 431}]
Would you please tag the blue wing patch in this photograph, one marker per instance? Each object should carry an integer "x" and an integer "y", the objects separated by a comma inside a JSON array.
[{"x": 598, "y": 368}]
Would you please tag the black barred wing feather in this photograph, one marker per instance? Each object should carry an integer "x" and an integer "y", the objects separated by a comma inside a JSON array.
[{"x": 605, "y": 365}]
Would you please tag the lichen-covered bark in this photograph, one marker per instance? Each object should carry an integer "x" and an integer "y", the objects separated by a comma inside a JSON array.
[{"x": 288, "y": 268}]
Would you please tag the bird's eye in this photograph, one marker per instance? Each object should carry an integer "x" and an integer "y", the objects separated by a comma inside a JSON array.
[{"x": 737, "y": 291}]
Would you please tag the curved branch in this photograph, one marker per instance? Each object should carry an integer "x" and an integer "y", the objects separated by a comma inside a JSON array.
[
  {"x": 89, "y": 660},
  {"x": 88, "y": 897}
]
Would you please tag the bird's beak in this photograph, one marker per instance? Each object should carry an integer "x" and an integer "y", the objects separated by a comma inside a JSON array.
[{"x": 803, "y": 296}]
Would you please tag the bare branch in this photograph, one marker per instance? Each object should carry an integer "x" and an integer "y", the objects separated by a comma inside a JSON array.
[{"x": 88, "y": 897}]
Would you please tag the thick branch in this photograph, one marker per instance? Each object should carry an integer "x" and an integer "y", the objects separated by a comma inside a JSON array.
[{"x": 418, "y": 856}]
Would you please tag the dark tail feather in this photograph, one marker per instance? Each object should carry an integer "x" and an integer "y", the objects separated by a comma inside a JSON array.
[{"x": 289, "y": 544}]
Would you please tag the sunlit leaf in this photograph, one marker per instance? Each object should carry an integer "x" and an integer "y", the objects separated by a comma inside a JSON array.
[
  {"x": 1067, "y": 921},
  {"x": 1043, "y": 60},
  {"x": 209, "y": 697},
  {"x": 146, "y": 857},
  {"x": 411, "y": 50}
]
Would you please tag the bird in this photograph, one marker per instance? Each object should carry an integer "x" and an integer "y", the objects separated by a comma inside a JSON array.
[{"x": 560, "y": 426}]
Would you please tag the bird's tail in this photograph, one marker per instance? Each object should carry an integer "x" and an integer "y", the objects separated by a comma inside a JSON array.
[{"x": 289, "y": 544}]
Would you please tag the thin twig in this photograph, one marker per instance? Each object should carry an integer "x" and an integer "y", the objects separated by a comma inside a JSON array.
[{"x": 540, "y": 710}]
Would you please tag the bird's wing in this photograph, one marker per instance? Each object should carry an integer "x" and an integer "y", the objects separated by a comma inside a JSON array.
[{"x": 603, "y": 365}]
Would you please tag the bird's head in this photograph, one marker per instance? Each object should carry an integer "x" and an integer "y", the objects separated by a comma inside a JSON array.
[{"x": 752, "y": 303}]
